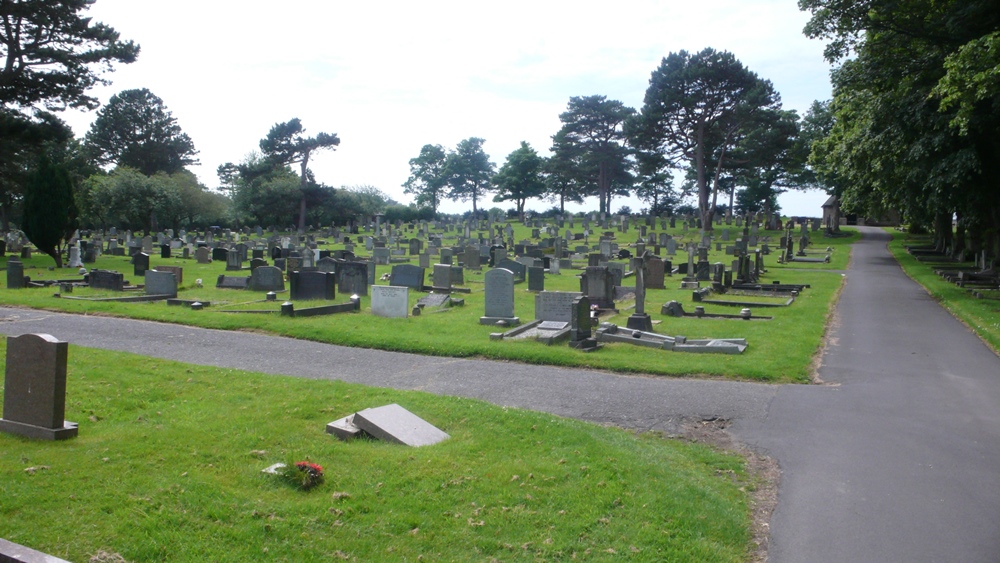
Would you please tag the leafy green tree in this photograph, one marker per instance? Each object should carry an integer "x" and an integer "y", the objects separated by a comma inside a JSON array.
[
  {"x": 53, "y": 53},
  {"x": 695, "y": 110},
  {"x": 287, "y": 144},
  {"x": 915, "y": 120},
  {"x": 469, "y": 171},
  {"x": 520, "y": 178},
  {"x": 561, "y": 180},
  {"x": 428, "y": 180},
  {"x": 769, "y": 160},
  {"x": 262, "y": 190},
  {"x": 135, "y": 129},
  {"x": 593, "y": 139},
  {"x": 23, "y": 139},
  {"x": 129, "y": 199},
  {"x": 49, "y": 208}
]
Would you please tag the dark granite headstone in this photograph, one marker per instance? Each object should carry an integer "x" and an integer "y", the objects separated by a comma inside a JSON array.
[
  {"x": 536, "y": 279},
  {"x": 407, "y": 275},
  {"x": 141, "y": 263},
  {"x": 312, "y": 285},
  {"x": 232, "y": 282},
  {"x": 34, "y": 402},
  {"x": 352, "y": 278},
  {"x": 219, "y": 253},
  {"x": 15, "y": 274},
  {"x": 517, "y": 268},
  {"x": 106, "y": 279}
]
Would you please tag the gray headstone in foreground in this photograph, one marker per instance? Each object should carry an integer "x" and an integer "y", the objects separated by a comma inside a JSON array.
[
  {"x": 15, "y": 274},
  {"x": 499, "y": 300},
  {"x": 390, "y": 301},
  {"x": 34, "y": 401},
  {"x": 161, "y": 283},
  {"x": 393, "y": 423}
]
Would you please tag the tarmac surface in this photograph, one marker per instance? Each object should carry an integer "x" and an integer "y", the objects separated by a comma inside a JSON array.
[{"x": 895, "y": 458}]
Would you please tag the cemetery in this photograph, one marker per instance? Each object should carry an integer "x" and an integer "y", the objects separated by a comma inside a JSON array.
[{"x": 446, "y": 281}]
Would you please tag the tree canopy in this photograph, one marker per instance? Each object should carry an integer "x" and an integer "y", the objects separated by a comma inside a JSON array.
[
  {"x": 50, "y": 214},
  {"x": 469, "y": 171},
  {"x": 696, "y": 108},
  {"x": 520, "y": 178},
  {"x": 135, "y": 129},
  {"x": 287, "y": 144},
  {"x": 428, "y": 180}
]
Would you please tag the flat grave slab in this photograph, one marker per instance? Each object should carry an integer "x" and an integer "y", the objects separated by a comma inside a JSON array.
[{"x": 393, "y": 423}]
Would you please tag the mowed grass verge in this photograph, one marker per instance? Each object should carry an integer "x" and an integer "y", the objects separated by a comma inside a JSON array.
[
  {"x": 980, "y": 315},
  {"x": 781, "y": 350},
  {"x": 167, "y": 467}
]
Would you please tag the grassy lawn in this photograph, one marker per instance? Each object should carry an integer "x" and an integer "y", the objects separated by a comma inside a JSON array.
[
  {"x": 167, "y": 467},
  {"x": 781, "y": 350},
  {"x": 981, "y": 315}
]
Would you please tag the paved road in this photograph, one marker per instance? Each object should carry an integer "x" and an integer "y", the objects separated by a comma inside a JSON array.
[{"x": 897, "y": 460}]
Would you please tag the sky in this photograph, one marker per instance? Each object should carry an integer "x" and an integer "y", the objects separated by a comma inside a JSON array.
[{"x": 390, "y": 77}]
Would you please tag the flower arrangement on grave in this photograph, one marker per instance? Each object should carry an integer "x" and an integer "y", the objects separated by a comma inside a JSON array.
[{"x": 302, "y": 474}]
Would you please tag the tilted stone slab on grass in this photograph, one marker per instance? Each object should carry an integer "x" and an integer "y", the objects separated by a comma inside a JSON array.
[{"x": 393, "y": 423}]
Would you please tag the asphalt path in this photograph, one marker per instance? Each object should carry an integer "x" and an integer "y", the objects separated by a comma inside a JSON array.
[{"x": 895, "y": 458}]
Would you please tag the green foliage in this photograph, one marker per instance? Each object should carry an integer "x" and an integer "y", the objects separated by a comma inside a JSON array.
[
  {"x": 128, "y": 199},
  {"x": 51, "y": 50},
  {"x": 589, "y": 150},
  {"x": 520, "y": 178},
  {"x": 22, "y": 142},
  {"x": 469, "y": 171},
  {"x": 428, "y": 179},
  {"x": 136, "y": 130},
  {"x": 50, "y": 215},
  {"x": 915, "y": 115},
  {"x": 698, "y": 107},
  {"x": 286, "y": 144}
]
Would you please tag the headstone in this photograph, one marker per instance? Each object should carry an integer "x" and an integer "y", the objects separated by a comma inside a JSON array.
[
  {"x": 555, "y": 305},
  {"x": 233, "y": 262},
  {"x": 267, "y": 278},
  {"x": 219, "y": 253},
  {"x": 515, "y": 267},
  {"x": 580, "y": 331},
  {"x": 177, "y": 271},
  {"x": 161, "y": 283},
  {"x": 393, "y": 423},
  {"x": 499, "y": 287},
  {"x": 202, "y": 255},
  {"x": 74, "y": 258},
  {"x": 104, "y": 279},
  {"x": 141, "y": 263},
  {"x": 352, "y": 278},
  {"x": 536, "y": 279},
  {"x": 34, "y": 401},
  {"x": 655, "y": 270},
  {"x": 407, "y": 275},
  {"x": 381, "y": 256},
  {"x": 232, "y": 282},
  {"x": 311, "y": 285},
  {"x": 15, "y": 274},
  {"x": 441, "y": 279},
  {"x": 597, "y": 284},
  {"x": 390, "y": 301}
]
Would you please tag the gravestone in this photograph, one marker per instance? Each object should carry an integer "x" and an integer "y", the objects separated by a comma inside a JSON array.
[
  {"x": 34, "y": 401},
  {"x": 267, "y": 278},
  {"x": 177, "y": 271},
  {"x": 555, "y": 305},
  {"x": 232, "y": 282},
  {"x": 326, "y": 264},
  {"x": 352, "y": 278},
  {"x": 407, "y": 275},
  {"x": 311, "y": 285},
  {"x": 233, "y": 262},
  {"x": 202, "y": 255},
  {"x": 161, "y": 283},
  {"x": 514, "y": 267},
  {"x": 164, "y": 251},
  {"x": 74, "y": 258},
  {"x": 15, "y": 274},
  {"x": 141, "y": 263},
  {"x": 640, "y": 320},
  {"x": 390, "y": 301},
  {"x": 393, "y": 423},
  {"x": 499, "y": 286},
  {"x": 655, "y": 269},
  {"x": 580, "y": 327},
  {"x": 441, "y": 277},
  {"x": 219, "y": 253},
  {"x": 597, "y": 284},
  {"x": 381, "y": 256},
  {"x": 536, "y": 279},
  {"x": 106, "y": 279},
  {"x": 471, "y": 258}
]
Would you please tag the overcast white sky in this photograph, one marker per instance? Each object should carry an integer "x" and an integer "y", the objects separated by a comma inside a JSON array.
[{"x": 390, "y": 77}]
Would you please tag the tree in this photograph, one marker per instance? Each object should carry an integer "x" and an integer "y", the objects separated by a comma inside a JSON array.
[
  {"x": 695, "y": 108},
  {"x": 22, "y": 141},
  {"x": 129, "y": 199},
  {"x": 49, "y": 209},
  {"x": 469, "y": 171},
  {"x": 770, "y": 160},
  {"x": 915, "y": 121},
  {"x": 520, "y": 178},
  {"x": 656, "y": 183},
  {"x": 286, "y": 144},
  {"x": 50, "y": 51},
  {"x": 593, "y": 139},
  {"x": 262, "y": 190},
  {"x": 136, "y": 130},
  {"x": 561, "y": 180},
  {"x": 428, "y": 180}
]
